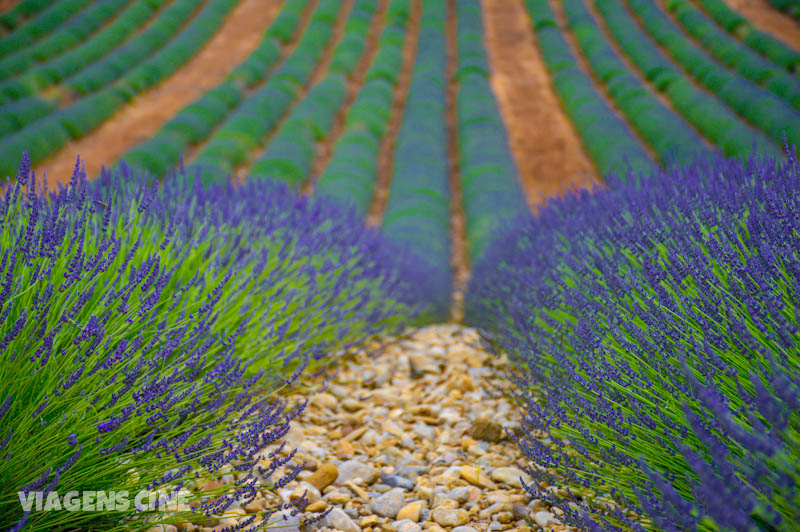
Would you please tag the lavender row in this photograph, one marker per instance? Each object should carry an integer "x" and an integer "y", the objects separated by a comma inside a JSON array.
[
  {"x": 146, "y": 329},
  {"x": 655, "y": 326},
  {"x": 417, "y": 213},
  {"x": 353, "y": 167},
  {"x": 490, "y": 189}
]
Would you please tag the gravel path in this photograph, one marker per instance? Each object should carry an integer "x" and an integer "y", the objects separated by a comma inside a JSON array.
[{"x": 407, "y": 438}]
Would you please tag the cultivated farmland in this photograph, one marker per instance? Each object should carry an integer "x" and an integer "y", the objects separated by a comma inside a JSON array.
[{"x": 400, "y": 265}]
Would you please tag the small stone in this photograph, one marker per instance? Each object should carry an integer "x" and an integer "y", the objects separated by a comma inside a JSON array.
[
  {"x": 369, "y": 520},
  {"x": 450, "y": 517},
  {"x": 341, "y": 521},
  {"x": 255, "y": 506},
  {"x": 520, "y": 511},
  {"x": 355, "y": 488},
  {"x": 323, "y": 477},
  {"x": 407, "y": 525},
  {"x": 544, "y": 518},
  {"x": 510, "y": 476},
  {"x": 388, "y": 504},
  {"x": 424, "y": 432},
  {"x": 464, "y": 529},
  {"x": 351, "y": 405},
  {"x": 487, "y": 429},
  {"x": 353, "y": 468},
  {"x": 324, "y": 400},
  {"x": 460, "y": 494},
  {"x": 311, "y": 493},
  {"x": 420, "y": 365},
  {"x": 344, "y": 449},
  {"x": 475, "y": 476},
  {"x": 396, "y": 481},
  {"x": 411, "y": 511},
  {"x": 316, "y": 507},
  {"x": 338, "y": 497},
  {"x": 504, "y": 517},
  {"x": 446, "y": 503}
]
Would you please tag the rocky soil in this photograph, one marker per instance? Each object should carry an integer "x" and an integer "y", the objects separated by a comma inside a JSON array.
[{"x": 407, "y": 438}]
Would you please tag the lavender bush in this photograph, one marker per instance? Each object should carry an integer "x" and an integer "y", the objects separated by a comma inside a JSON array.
[
  {"x": 145, "y": 331},
  {"x": 655, "y": 325}
]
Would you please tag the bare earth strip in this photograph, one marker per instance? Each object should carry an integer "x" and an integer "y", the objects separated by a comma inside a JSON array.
[
  {"x": 354, "y": 82},
  {"x": 547, "y": 149},
  {"x": 768, "y": 19},
  {"x": 383, "y": 180},
  {"x": 458, "y": 239},
  {"x": 318, "y": 74},
  {"x": 238, "y": 36},
  {"x": 6, "y": 5}
]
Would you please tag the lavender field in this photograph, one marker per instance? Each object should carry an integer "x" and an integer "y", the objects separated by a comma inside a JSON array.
[{"x": 399, "y": 265}]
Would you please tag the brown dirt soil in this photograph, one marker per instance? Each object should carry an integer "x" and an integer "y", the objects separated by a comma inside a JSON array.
[
  {"x": 238, "y": 36},
  {"x": 547, "y": 149},
  {"x": 325, "y": 147},
  {"x": 769, "y": 20},
  {"x": 458, "y": 238},
  {"x": 317, "y": 75},
  {"x": 6, "y": 5},
  {"x": 383, "y": 180}
]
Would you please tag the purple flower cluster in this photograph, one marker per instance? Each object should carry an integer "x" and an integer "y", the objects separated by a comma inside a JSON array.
[
  {"x": 146, "y": 327},
  {"x": 655, "y": 326}
]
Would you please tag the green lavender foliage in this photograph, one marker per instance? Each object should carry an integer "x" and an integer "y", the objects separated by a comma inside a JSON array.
[{"x": 148, "y": 327}]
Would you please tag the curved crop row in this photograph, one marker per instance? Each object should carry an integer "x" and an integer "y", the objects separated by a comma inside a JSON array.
[
  {"x": 68, "y": 35},
  {"x": 767, "y": 45},
  {"x": 768, "y": 112},
  {"x": 45, "y": 137},
  {"x": 248, "y": 126},
  {"x": 41, "y": 25},
  {"x": 195, "y": 122},
  {"x": 21, "y": 12},
  {"x": 290, "y": 153},
  {"x": 417, "y": 212},
  {"x": 705, "y": 112},
  {"x": 656, "y": 326},
  {"x": 672, "y": 139},
  {"x": 607, "y": 138},
  {"x": 150, "y": 327},
  {"x": 490, "y": 191},
  {"x": 350, "y": 175},
  {"x": 736, "y": 55},
  {"x": 39, "y": 77}
]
